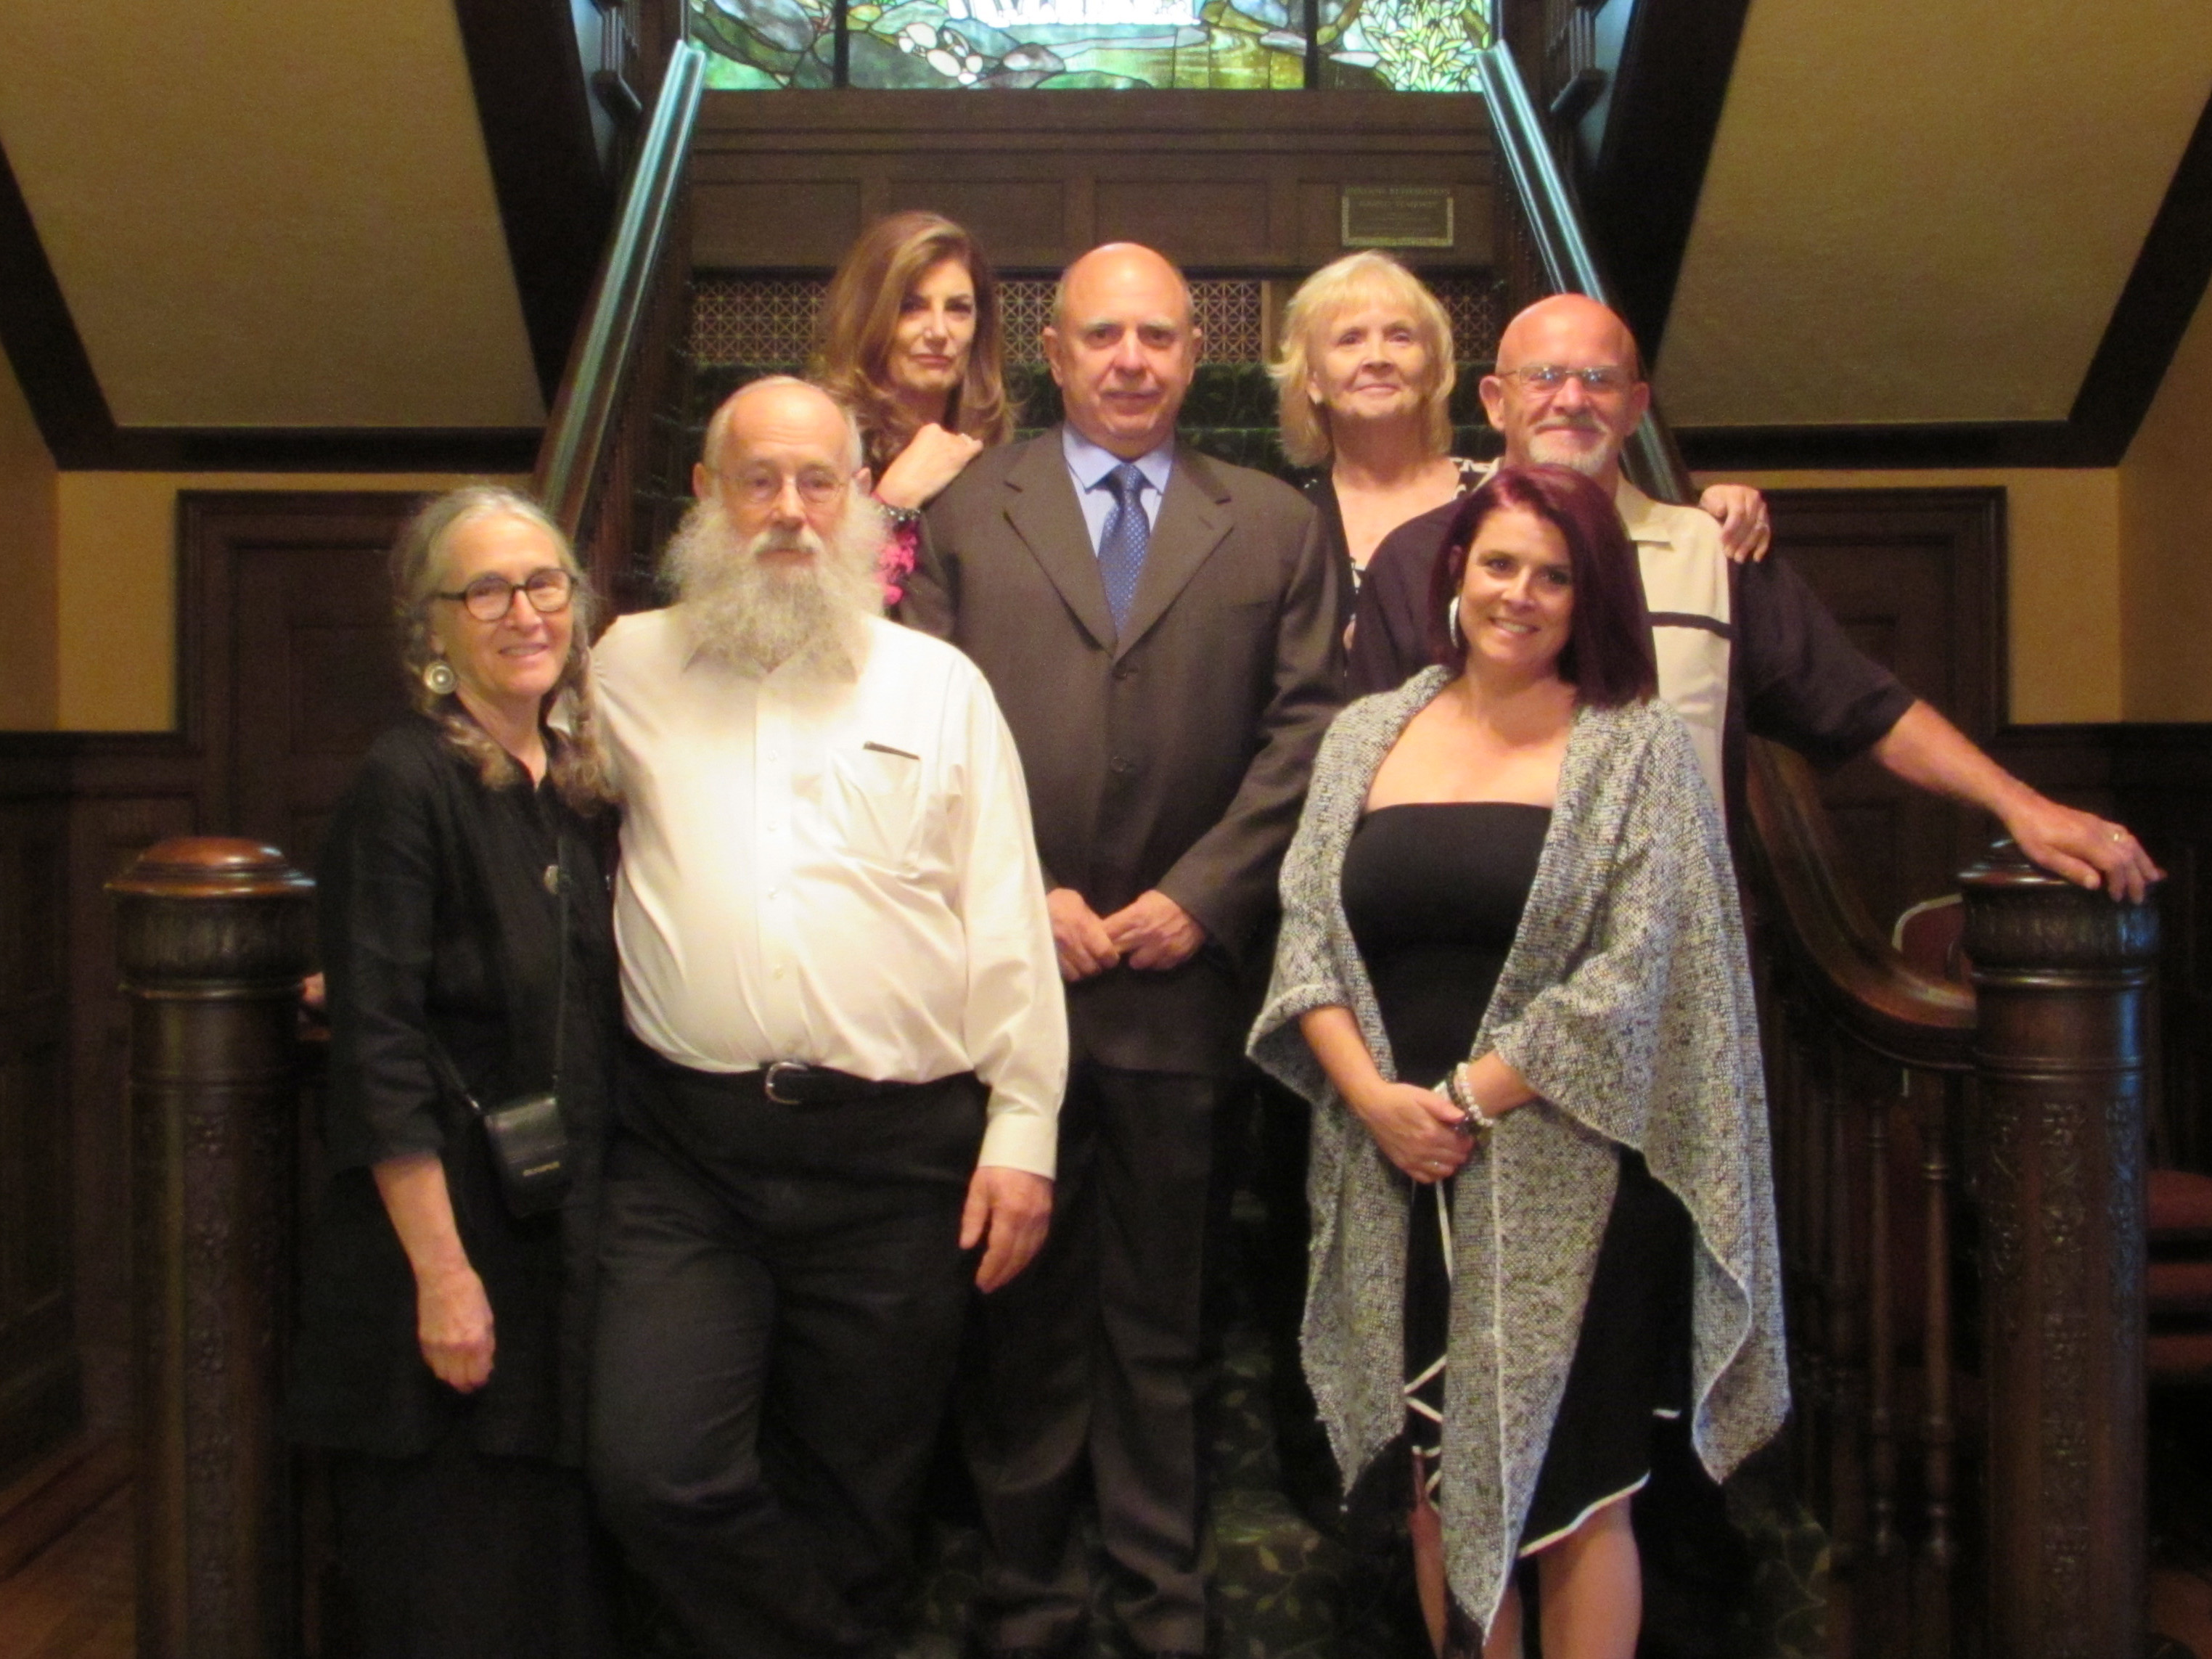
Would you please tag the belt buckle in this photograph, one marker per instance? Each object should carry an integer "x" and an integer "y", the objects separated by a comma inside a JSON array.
[{"x": 787, "y": 1067}]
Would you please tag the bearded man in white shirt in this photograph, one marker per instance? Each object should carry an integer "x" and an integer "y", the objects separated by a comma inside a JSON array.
[{"x": 847, "y": 1045}]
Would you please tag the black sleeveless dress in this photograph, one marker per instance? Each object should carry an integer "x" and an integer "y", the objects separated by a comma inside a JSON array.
[{"x": 1433, "y": 893}]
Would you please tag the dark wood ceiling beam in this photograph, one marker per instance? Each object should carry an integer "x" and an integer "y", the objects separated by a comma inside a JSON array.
[
  {"x": 2161, "y": 297},
  {"x": 555, "y": 198},
  {"x": 1791, "y": 448},
  {"x": 2156, "y": 305},
  {"x": 318, "y": 449},
  {"x": 554, "y": 202},
  {"x": 1640, "y": 193},
  {"x": 52, "y": 367},
  {"x": 42, "y": 340}
]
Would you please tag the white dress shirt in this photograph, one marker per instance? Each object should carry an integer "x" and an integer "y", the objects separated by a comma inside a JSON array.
[{"x": 841, "y": 874}]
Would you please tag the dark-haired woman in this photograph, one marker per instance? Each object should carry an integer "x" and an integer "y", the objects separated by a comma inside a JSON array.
[
  {"x": 910, "y": 341},
  {"x": 1511, "y": 979},
  {"x": 469, "y": 954}
]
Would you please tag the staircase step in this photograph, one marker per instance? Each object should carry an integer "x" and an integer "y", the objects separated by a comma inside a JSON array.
[
  {"x": 2180, "y": 1203},
  {"x": 2180, "y": 1357},
  {"x": 2181, "y": 1289}
]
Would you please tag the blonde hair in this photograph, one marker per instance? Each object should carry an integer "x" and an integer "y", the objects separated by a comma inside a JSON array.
[
  {"x": 578, "y": 767},
  {"x": 860, "y": 314},
  {"x": 1332, "y": 289}
]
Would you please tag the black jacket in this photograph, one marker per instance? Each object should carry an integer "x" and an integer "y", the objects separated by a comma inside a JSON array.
[{"x": 437, "y": 919}]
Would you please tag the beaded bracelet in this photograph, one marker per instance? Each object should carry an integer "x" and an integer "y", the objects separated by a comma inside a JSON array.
[{"x": 1473, "y": 1120}]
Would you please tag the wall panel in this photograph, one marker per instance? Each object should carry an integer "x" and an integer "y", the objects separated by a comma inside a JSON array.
[{"x": 1248, "y": 183}]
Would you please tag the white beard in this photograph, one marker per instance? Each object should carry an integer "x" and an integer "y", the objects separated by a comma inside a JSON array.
[
  {"x": 1574, "y": 456},
  {"x": 811, "y": 616}
]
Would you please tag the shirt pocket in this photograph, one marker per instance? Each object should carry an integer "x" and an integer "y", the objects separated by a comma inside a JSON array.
[{"x": 875, "y": 805}]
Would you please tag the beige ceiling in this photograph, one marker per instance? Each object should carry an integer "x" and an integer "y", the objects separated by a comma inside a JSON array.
[
  {"x": 1926, "y": 213},
  {"x": 267, "y": 213}
]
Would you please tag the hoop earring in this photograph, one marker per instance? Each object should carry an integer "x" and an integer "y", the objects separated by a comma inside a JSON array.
[
  {"x": 1451, "y": 625},
  {"x": 439, "y": 678}
]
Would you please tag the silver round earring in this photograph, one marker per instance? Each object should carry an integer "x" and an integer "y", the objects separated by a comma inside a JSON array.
[
  {"x": 438, "y": 677},
  {"x": 1451, "y": 625}
]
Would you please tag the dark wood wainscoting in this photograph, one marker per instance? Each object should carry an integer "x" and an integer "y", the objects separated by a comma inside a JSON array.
[
  {"x": 286, "y": 672},
  {"x": 74, "y": 810},
  {"x": 1252, "y": 183},
  {"x": 41, "y": 1401},
  {"x": 1917, "y": 577}
]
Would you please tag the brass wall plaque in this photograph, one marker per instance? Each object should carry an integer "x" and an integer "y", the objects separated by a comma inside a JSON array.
[{"x": 1397, "y": 216}]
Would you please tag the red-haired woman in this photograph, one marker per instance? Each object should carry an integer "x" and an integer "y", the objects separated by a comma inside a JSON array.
[
  {"x": 909, "y": 340},
  {"x": 1511, "y": 981}
]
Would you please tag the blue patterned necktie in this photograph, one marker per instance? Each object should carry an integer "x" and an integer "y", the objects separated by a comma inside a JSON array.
[{"x": 1121, "y": 547}]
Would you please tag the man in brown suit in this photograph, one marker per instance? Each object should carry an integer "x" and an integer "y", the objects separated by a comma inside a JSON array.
[{"x": 1159, "y": 630}]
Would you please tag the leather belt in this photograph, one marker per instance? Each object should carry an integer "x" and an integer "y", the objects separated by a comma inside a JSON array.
[{"x": 789, "y": 1083}]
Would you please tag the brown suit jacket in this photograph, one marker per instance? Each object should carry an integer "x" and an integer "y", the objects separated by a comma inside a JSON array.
[{"x": 1174, "y": 755}]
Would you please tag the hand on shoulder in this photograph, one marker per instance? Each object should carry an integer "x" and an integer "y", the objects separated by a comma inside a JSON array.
[{"x": 930, "y": 460}]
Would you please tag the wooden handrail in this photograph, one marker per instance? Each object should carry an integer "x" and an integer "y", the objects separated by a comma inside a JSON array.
[
  {"x": 1852, "y": 971},
  {"x": 606, "y": 343},
  {"x": 1571, "y": 266}
]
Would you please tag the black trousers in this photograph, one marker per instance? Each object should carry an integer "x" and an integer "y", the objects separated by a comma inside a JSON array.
[
  {"x": 779, "y": 1312},
  {"x": 1088, "y": 1365},
  {"x": 462, "y": 1554}
]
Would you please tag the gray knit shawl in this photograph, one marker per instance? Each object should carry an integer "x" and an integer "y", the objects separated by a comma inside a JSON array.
[{"x": 1626, "y": 1002}]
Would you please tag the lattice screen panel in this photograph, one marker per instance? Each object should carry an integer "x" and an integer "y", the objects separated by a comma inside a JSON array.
[
  {"x": 770, "y": 319},
  {"x": 1475, "y": 305}
]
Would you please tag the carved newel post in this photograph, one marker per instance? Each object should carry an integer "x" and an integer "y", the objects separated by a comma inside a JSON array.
[
  {"x": 213, "y": 938},
  {"x": 2061, "y": 977}
]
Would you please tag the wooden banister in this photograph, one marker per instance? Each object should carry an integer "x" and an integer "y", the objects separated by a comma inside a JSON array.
[
  {"x": 1844, "y": 961},
  {"x": 2063, "y": 976},
  {"x": 584, "y": 414},
  {"x": 1571, "y": 266},
  {"x": 213, "y": 938}
]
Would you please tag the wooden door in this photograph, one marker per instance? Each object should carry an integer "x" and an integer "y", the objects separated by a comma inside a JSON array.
[
  {"x": 295, "y": 664},
  {"x": 1915, "y": 577}
]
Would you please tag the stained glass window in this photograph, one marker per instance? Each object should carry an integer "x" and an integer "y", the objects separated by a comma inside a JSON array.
[{"x": 1406, "y": 46}]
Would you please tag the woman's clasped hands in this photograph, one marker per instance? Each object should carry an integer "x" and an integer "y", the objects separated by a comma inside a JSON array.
[{"x": 1419, "y": 1130}]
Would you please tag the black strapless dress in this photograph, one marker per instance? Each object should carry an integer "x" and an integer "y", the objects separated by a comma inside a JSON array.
[{"x": 1434, "y": 892}]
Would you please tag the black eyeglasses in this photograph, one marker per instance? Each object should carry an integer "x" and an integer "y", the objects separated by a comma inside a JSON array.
[{"x": 488, "y": 599}]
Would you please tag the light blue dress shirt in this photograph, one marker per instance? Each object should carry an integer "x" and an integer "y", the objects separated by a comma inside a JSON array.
[{"x": 1088, "y": 465}]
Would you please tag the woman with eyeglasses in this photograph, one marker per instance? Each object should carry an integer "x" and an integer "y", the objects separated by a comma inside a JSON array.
[
  {"x": 910, "y": 341},
  {"x": 469, "y": 965},
  {"x": 1511, "y": 981}
]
